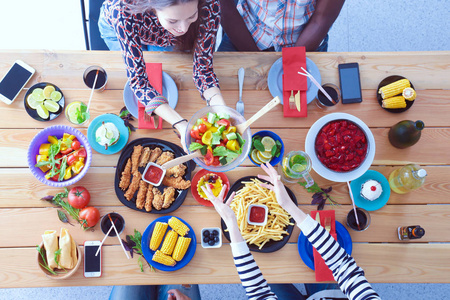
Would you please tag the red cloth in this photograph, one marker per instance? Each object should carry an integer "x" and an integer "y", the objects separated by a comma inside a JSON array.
[
  {"x": 293, "y": 59},
  {"x": 154, "y": 74},
  {"x": 323, "y": 273}
]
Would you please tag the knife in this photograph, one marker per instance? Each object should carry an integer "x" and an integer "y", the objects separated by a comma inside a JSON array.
[
  {"x": 297, "y": 101},
  {"x": 318, "y": 218}
]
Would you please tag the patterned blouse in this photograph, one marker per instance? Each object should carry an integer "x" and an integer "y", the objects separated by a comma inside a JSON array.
[{"x": 135, "y": 30}]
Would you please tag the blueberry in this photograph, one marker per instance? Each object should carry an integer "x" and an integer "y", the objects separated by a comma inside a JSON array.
[
  {"x": 215, "y": 233},
  {"x": 206, "y": 239},
  {"x": 211, "y": 243},
  {"x": 206, "y": 233},
  {"x": 216, "y": 239}
]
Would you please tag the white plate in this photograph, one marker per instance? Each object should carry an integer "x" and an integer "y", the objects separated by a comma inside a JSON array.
[
  {"x": 324, "y": 171},
  {"x": 275, "y": 79},
  {"x": 170, "y": 91}
]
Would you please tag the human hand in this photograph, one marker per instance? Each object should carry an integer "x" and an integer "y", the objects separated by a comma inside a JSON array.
[
  {"x": 223, "y": 209},
  {"x": 277, "y": 186},
  {"x": 175, "y": 294}
]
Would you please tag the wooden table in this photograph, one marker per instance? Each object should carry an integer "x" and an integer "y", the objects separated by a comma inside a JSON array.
[{"x": 23, "y": 217}]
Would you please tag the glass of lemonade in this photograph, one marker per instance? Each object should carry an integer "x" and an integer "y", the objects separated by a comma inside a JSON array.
[
  {"x": 296, "y": 166},
  {"x": 77, "y": 113}
]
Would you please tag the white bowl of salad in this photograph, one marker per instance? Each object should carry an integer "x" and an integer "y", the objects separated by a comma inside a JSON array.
[{"x": 212, "y": 130}]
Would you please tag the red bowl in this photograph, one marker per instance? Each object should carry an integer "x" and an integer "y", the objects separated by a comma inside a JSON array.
[{"x": 195, "y": 181}]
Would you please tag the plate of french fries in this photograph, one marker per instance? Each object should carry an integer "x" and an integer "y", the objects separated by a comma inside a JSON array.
[
  {"x": 276, "y": 233},
  {"x": 396, "y": 94},
  {"x": 168, "y": 243}
]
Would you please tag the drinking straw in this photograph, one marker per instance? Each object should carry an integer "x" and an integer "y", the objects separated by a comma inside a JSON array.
[
  {"x": 117, "y": 234},
  {"x": 307, "y": 74},
  {"x": 106, "y": 235},
  {"x": 92, "y": 90},
  {"x": 353, "y": 202}
]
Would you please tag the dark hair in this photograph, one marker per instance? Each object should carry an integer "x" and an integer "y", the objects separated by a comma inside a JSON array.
[{"x": 187, "y": 41}]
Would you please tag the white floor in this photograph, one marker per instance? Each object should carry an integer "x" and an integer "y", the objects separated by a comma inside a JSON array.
[{"x": 363, "y": 25}]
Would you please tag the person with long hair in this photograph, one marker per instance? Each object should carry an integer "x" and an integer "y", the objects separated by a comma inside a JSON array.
[{"x": 184, "y": 25}]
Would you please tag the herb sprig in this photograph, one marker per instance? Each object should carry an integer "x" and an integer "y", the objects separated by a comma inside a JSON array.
[
  {"x": 133, "y": 244},
  {"x": 127, "y": 117},
  {"x": 44, "y": 259},
  {"x": 257, "y": 144},
  {"x": 320, "y": 195}
]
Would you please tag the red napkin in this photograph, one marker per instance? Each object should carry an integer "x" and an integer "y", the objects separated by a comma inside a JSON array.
[
  {"x": 154, "y": 74},
  {"x": 323, "y": 273},
  {"x": 293, "y": 59}
]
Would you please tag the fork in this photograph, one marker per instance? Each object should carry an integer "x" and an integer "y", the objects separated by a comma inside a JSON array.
[
  {"x": 240, "y": 103},
  {"x": 292, "y": 101}
]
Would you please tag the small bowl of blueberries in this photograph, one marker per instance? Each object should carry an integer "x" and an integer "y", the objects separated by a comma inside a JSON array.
[{"x": 211, "y": 237}]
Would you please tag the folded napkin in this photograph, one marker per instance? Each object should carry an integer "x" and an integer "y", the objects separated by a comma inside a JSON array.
[
  {"x": 154, "y": 74},
  {"x": 323, "y": 273},
  {"x": 293, "y": 59}
]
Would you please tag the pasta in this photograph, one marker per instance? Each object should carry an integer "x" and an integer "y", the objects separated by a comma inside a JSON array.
[{"x": 277, "y": 220}]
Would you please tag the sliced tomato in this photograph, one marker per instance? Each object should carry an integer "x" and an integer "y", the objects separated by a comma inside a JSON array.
[
  {"x": 224, "y": 122},
  {"x": 209, "y": 157},
  {"x": 80, "y": 152},
  {"x": 71, "y": 159},
  {"x": 216, "y": 161},
  {"x": 55, "y": 178},
  {"x": 67, "y": 151},
  {"x": 195, "y": 134},
  {"x": 199, "y": 141},
  {"x": 202, "y": 128},
  {"x": 75, "y": 145}
]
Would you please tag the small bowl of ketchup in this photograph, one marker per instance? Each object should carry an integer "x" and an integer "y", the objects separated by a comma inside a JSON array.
[
  {"x": 257, "y": 214},
  {"x": 153, "y": 174}
]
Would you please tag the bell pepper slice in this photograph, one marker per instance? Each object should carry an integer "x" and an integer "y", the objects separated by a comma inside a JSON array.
[
  {"x": 68, "y": 174},
  {"x": 43, "y": 149},
  {"x": 207, "y": 137},
  {"x": 52, "y": 139},
  {"x": 233, "y": 145}
]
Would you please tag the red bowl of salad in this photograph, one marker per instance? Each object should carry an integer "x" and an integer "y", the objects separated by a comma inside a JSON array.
[
  {"x": 59, "y": 156},
  {"x": 212, "y": 130}
]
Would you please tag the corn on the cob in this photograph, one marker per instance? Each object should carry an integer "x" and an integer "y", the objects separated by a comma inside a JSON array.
[
  {"x": 163, "y": 259},
  {"x": 157, "y": 235},
  {"x": 178, "y": 226},
  {"x": 394, "y": 88},
  {"x": 169, "y": 242},
  {"x": 181, "y": 248},
  {"x": 394, "y": 102},
  {"x": 409, "y": 94}
]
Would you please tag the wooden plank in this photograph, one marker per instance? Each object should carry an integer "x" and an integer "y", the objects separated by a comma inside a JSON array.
[
  {"x": 383, "y": 227},
  {"x": 400, "y": 266},
  {"x": 425, "y": 69},
  {"x": 14, "y": 145},
  {"x": 100, "y": 182}
]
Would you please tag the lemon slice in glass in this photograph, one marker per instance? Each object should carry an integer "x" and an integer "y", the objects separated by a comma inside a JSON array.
[
  {"x": 268, "y": 143},
  {"x": 42, "y": 111},
  {"x": 254, "y": 156},
  {"x": 298, "y": 168},
  {"x": 48, "y": 90},
  {"x": 72, "y": 112},
  {"x": 55, "y": 96},
  {"x": 51, "y": 105},
  {"x": 38, "y": 94},
  {"x": 32, "y": 102}
]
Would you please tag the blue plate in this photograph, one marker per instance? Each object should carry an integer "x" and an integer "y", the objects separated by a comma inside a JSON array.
[
  {"x": 148, "y": 254},
  {"x": 366, "y": 204},
  {"x": 275, "y": 79},
  {"x": 97, "y": 122},
  {"x": 305, "y": 248},
  {"x": 170, "y": 91}
]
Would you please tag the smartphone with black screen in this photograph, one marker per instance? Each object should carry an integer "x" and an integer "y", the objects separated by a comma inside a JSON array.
[
  {"x": 350, "y": 83},
  {"x": 92, "y": 262},
  {"x": 14, "y": 81}
]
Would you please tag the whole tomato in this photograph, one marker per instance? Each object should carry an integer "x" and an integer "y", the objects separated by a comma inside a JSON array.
[
  {"x": 79, "y": 197},
  {"x": 89, "y": 216}
]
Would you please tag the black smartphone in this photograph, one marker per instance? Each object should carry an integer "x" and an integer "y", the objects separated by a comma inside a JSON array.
[
  {"x": 92, "y": 259},
  {"x": 350, "y": 83},
  {"x": 14, "y": 81}
]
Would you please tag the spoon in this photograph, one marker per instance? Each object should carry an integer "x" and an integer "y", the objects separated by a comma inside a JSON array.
[{"x": 243, "y": 126}]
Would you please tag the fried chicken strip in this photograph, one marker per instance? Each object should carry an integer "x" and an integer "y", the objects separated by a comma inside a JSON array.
[
  {"x": 141, "y": 195},
  {"x": 137, "y": 151},
  {"x": 149, "y": 198},
  {"x": 165, "y": 157},
  {"x": 155, "y": 154},
  {"x": 134, "y": 185},
  {"x": 126, "y": 176},
  {"x": 145, "y": 156},
  {"x": 158, "y": 199},
  {"x": 176, "y": 182},
  {"x": 176, "y": 171},
  {"x": 169, "y": 196}
]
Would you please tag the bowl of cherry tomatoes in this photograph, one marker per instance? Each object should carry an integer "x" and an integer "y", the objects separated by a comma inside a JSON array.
[{"x": 59, "y": 156}]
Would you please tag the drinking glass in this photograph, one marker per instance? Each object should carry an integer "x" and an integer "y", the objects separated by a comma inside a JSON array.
[
  {"x": 363, "y": 218},
  {"x": 322, "y": 101},
  {"x": 118, "y": 220},
  {"x": 89, "y": 78},
  {"x": 295, "y": 166},
  {"x": 77, "y": 113}
]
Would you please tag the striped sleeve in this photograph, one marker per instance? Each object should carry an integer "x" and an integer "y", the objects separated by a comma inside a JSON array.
[
  {"x": 255, "y": 285},
  {"x": 349, "y": 276}
]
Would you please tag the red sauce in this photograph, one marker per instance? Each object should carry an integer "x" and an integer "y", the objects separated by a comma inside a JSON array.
[
  {"x": 257, "y": 214},
  {"x": 341, "y": 146},
  {"x": 153, "y": 174}
]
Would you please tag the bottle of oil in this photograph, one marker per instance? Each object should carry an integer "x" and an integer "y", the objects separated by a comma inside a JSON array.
[{"x": 407, "y": 178}]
